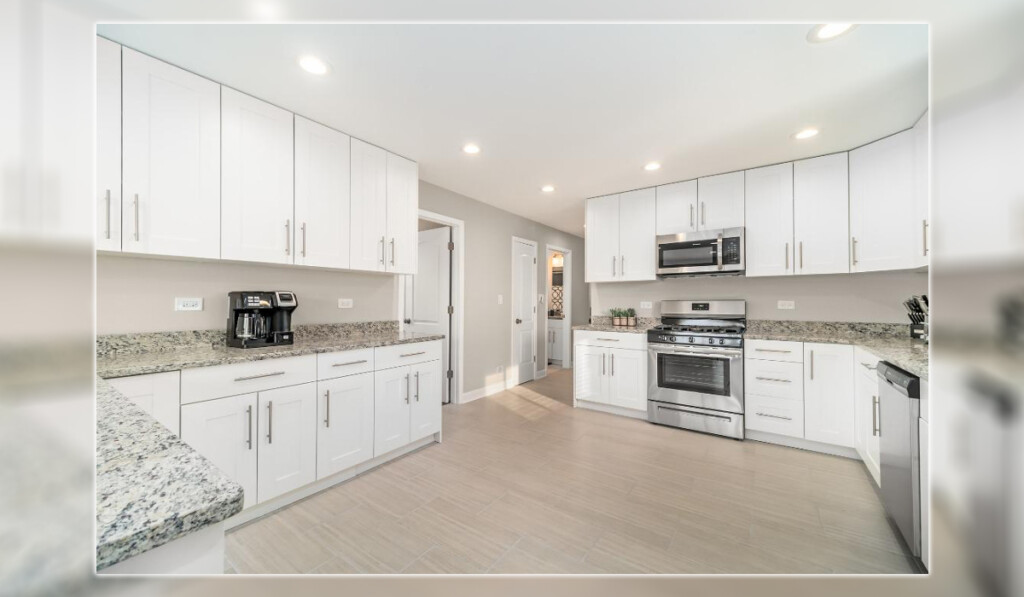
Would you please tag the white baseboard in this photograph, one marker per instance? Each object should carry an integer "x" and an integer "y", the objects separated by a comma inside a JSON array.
[
  {"x": 802, "y": 444},
  {"x": 541, "y": 373},
  {"x": 483, "y": 392},
  {"x": 612, "y": 410}
]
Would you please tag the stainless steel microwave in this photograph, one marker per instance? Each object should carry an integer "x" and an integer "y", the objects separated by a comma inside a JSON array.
[{"x": 704, "y": 252}]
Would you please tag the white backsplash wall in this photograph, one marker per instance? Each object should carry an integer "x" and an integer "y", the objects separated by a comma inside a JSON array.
[
  {"x": 870, "y": 297},
  {"x": 136, "y": 294}
]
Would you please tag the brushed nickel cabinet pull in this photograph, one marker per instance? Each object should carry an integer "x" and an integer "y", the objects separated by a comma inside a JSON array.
[
  {"x": 407, "y": 388},
  {"x": 382, "y": 250},
  {"x": 869, "y": 367},
  {"x": 774, "y": 379},
  {"x": 853, "y": 240},
  {"x": 691, "y": 215},
  {"x": 613, "y": 364},
  {"x": 772, "y": 350},
  {"x": 108, "y": 213},
  {"x": 613, "y": 265},
  {"x": 801, "y": 254},
  {"x": 303, "y": 239},
  {"x": 775, "y": 416},
  {"x": 417, "y": 386},
  {"x": 248, "y": 377},
  {"x": 287, "y": 237},
  {"x": 924, "y": 237},
  {"x": 703, "y": 213},
  {"x": 392, "y": 250},
  {"x": 413, "y": 354},
  {"x": 136, "y": 217},
  {"x": 349, "y": 363},
  {"x": 270, "y": 422},
  {"x": 787, "y": 257},
  {"x": 876, "y": 429},
  {"x": 248, "y": 412},
  {"x": 622, "y": 265},
  {"x": 327, "y": 400},
  {"x": 812, "y": 365},
  {"x": 602, "y": 364},
  {"x": 607, "y": 339}
]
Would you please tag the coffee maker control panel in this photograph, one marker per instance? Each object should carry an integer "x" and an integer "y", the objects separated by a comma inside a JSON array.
[{"x": 286, "y": 299}]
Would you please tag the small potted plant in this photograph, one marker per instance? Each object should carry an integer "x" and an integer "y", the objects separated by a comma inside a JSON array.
[
  {"x": 617, "y": 317},
  {"x": 631, "y": 317}
]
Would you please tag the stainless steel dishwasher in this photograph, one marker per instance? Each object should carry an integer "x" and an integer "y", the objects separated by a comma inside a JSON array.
[{"x": 900, "y": 408}]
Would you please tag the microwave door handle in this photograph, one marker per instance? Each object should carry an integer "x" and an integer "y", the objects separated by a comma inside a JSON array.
[{"x": 719, "y": 243}]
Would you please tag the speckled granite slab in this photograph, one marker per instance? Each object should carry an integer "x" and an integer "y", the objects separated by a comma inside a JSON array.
[
  {"x": 151, "y": 488},
  {"x": 132, "y": 362},
  {"x": 826, "y": 329},
  {"x": 601, "y": 323}
]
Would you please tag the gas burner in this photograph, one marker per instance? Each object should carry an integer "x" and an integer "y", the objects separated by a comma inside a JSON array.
[{"x": 707, "y": 323}]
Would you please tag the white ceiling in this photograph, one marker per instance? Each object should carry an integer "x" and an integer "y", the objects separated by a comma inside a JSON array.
[{"x": 579, "y": 106}]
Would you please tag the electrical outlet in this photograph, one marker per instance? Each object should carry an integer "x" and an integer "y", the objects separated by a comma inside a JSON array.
[
  {"x": 646, "y": 305},
  {"x": 787, "y": 305},
  {"x": 188, "y": 304},
  {"x": 344, "y": 303},
  {"x": 501, "y": 300}
]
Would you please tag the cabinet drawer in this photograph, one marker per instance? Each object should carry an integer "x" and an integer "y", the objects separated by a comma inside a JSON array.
[
  {"x": 610, "y": 339},
  {"x": 774, "y": 379},
  {"x": 775, "y": 350},
  {"x": 205, "y": 383},
  {"x": 782, "y": 416},
  {"x": 399, "y": 355},
  {"x": 339, "y": 364}
]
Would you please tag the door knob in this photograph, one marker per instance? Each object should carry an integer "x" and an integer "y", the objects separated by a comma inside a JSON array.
[
  {"x": 519, "y": 321},
  {"x": 407, "y": 321}
]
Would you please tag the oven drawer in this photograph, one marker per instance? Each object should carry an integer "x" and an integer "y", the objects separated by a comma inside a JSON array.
[
  {"x": 775, "y": 350},
  {"x": 781, "y": 416},
  {"x": 695, "y": 419},
  {"x": 774, "y": 379},
  {"x": 610, "y": 339}
]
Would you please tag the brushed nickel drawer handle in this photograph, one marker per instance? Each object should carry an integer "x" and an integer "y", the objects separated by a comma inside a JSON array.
[
  {"x": 869, "y": 367},
  {"x": 607, "y": 339},
  {"x": 414, "y": 354},
  {"x": 876, "y": 427},
  {"x": 270, "y": 422},
  {"x": 248, "y": 412},
  {"x": 327, "y": 401},
  {"x": 417, "y": 386},
  {"x": 248, "y": 377},
  {"x": 349, "y": 363},
  {"x": 694, "y": 413},
  {"x": 773, "y": 350},
  {"x": 407, "y": 388},
  {"x": 774, "y": 379},
  {"x": 812, "y": 365},
  {"x": 775, "y": 416}
]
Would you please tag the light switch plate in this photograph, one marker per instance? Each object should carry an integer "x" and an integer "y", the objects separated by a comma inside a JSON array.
[
  {"x": 188, "y": 304},
  {"x": 787, "y": 305},
  {"x": 646, "y": 305},
  {"x": 344, "y": 303},
  {"x": 501, "y": 300}
]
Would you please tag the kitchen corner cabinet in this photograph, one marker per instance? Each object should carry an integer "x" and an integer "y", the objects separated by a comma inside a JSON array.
[
  {"x": 620, "y": 237},
  {"x": 769, "y": 204},
  {"x": 829, "y": 394},
  {"x": 108, "y": 145},
  {"x": 224, "y": 431},
  {"x": 821, "y": 215},
  {"x": 257, "y": 202},
  {"x": 287, "y": 439},
  {"x": 369, "y": 206},
  {"x": 322, "y": 196},
  {"x": 403, "y": 214},
  {"x": 676, "y": 208},
  {"x": 345, "y": 419},
  {"x": 887, "y": 231},
  {"x": 158, "y": 394},
  {"x": 721, "y": 199},
  {"x": 170, "y": 160}
]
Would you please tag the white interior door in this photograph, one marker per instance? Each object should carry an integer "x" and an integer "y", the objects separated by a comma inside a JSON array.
[
  {"x": 428, "y": 293},
  {"x": 524, "y": 311}
]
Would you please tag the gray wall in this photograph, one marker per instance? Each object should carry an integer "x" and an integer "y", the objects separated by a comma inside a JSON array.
[
  {"x": 489, "y": 233},
  {"x": 136, "y": 294},
  {"x": 873, "y": 297}
]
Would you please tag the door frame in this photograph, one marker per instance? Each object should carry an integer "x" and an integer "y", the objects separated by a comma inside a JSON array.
[
  {"x": 458, "y": 281},
  {"x": 566, "y": 302},
  {"x": 509, "y": 382}
]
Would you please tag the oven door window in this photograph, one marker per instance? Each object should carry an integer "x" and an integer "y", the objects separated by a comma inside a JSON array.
[
  {"x": 688, "y": 254},
  {"x": 705, "y": 375}
]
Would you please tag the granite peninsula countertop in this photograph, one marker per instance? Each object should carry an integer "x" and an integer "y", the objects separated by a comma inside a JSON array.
[
  {"x": 189, "y": 354},
  {"x": 151, "y": 488}
]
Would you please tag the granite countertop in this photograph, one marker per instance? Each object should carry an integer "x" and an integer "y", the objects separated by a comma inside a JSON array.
[
  {"x": 189, "y": 355},
  {"x": 597, "y": 327},
  {"x": 151, "y": 488}
]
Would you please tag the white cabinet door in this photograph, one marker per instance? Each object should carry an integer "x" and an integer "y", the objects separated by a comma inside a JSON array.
[
  {"x": 922, "y": 187},
  {"x": 926, "y": 498},
  {"x": 368, "y": 227},
  {"x": 391, "y": 395},
  {"x": 885, "y": 224},
  {"x": 769, "y": 213},
  {"x": 721, "y": 201},
  {"x": 287, "y": 442},
  {"x": 344, "y": 435},
  {"x": 322, "y": 195},
  {"x": 557, "y": 351},
  {"x": 627, "y": 378},
  {"x": 636, "y": 235},
  {"x": 224, "y": 431},
  {"x": 828, "y": 394},
  {"x": 676, "y": 208},
  {"x": 425, "y": 406},
  {"x": 866, "y": 440},
  {"x": 257, "y": 201},
  {"x": 159, "y": 394},
  {"x": 171, "y": 160},
  {"x": 108, "y": 145},
  {"x": 821, "y": 215},
  {"x": 590, "y": 381},
  {"x": 602, "y": 239},
  {"x": 403, "y": 214}
]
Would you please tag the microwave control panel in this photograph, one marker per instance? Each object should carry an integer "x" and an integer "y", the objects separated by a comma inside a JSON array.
[{"x": 731, "y": 250}]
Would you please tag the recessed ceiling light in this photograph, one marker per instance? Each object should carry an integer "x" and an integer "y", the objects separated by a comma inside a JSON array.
[
  {"x": 548, "y": 188},
  {"x": 652, "y": 166},
  {"x": 471, "y": 149},
  {"x": 312, "y": 64},
  {"x": 806, "y": 133},
  {"x": 829, "y": 31}
]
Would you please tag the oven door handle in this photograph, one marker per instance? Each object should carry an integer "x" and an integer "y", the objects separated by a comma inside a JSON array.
[{"x": 727, "y": 357}]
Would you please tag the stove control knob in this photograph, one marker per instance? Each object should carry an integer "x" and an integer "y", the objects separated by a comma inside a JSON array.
[
  {"x": 691, "y": 339},
  {"x": 721, "y": 340}
]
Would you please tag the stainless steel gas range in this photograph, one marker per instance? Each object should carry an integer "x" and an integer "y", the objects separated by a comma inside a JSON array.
[{"x": 695, "y": 366}]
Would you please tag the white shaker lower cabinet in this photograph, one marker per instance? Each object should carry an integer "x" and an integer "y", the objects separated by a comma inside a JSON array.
[
  {"x": 391, "y": 395},
  {"x": 589, "y": 381},
  {"x": 345, "y": 420},
  {"x": 224, "y": 431},
  {"x": 425, "y": 405},
  {"x": 287, "y": 439},
  {"x": 867, "y": 440},
  {"x": 773, "y": 388},
  {"x": 158, "y": 394},
  {"x": 627, "y": 378},
  {"x": 611, "y": 370},
  {"x": 828, "y": 394}
]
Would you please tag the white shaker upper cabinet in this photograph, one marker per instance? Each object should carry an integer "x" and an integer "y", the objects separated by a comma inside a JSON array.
[
  {"x": 602, "y": 239},
  {"x": 821, "y": 215},
  {"x": 108, "y": 145},
  {"x": 720, "y": 199},
  {"x": 322, "y": 195},
  {"x": 676, "y": 208},
  {"x": 886, "y": 230},
  {"x": 368, "y": 238},
  {"x": 257, "y": 201},
  {"x": 403, "y": 213},
  {"x": 829, "y": 408},
  {"x": 922, "y": 187},
  {"x": 171, "y": 159},
  {"x": 769, "y": 211},
  {"x": 636, "y": 235}
]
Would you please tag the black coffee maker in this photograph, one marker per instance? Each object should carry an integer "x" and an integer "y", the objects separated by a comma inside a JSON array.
[{"x": 260, "y": 318}]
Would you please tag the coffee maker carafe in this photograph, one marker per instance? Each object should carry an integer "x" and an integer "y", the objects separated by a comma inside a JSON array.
[{"x": 260, "y": 318}]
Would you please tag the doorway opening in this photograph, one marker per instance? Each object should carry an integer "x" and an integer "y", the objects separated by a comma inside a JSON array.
[
  {"x": 558, "y": 323},
  {"x": 431, "y": 301}
]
